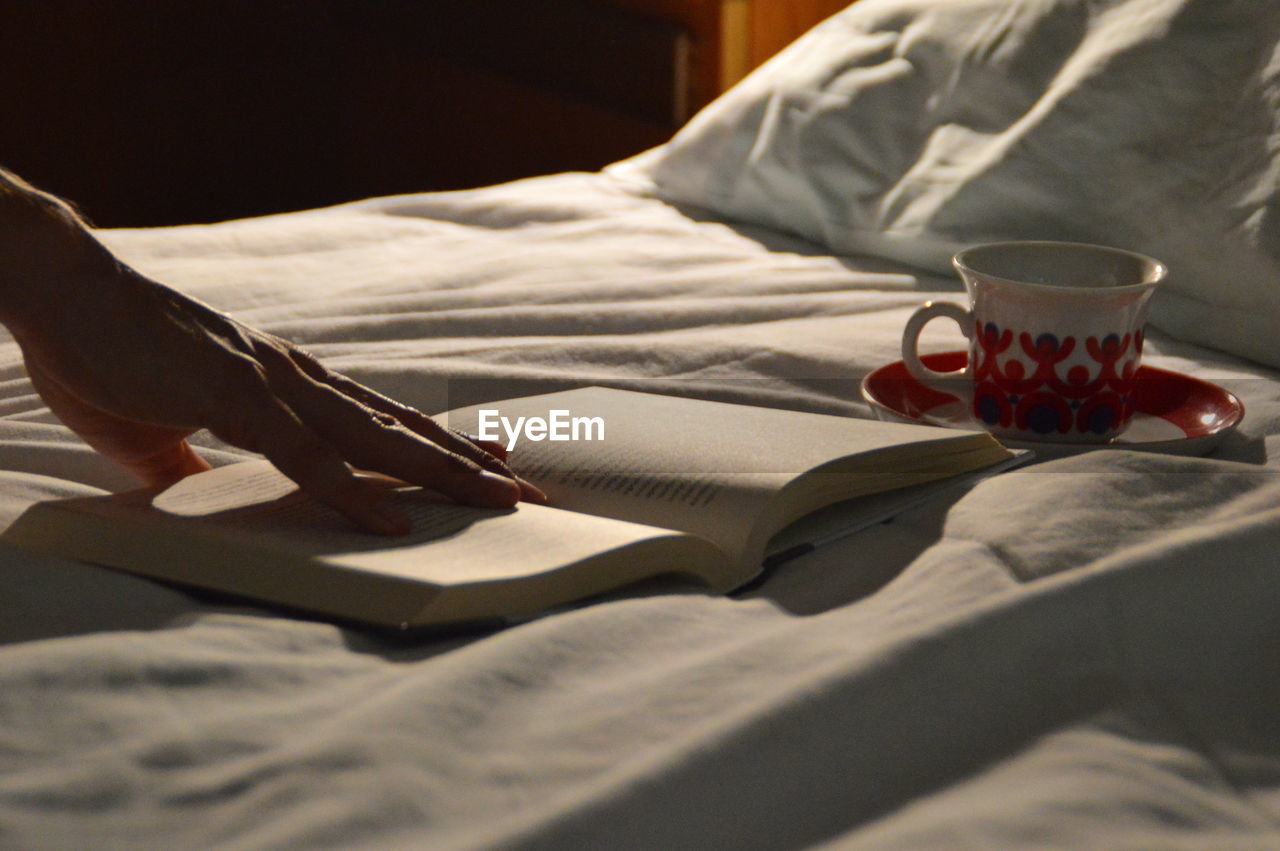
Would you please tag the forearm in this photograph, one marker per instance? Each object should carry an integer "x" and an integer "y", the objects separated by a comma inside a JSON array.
[{"x": 46, "y": 253}]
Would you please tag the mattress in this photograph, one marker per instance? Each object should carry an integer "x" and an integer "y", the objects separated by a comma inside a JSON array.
[{"x": 1082, "y": 651}]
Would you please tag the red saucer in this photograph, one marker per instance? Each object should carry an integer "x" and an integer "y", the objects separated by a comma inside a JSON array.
[{"x": 1173, "y": 412}]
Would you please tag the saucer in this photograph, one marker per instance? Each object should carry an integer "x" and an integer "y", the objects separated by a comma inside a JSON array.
[{"x": 1173, "y": 413}]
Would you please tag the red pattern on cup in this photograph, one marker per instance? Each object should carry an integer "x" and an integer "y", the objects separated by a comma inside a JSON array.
[{"x": 1029, "y": 392}]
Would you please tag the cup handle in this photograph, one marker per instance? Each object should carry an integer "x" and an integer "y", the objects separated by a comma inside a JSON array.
[{"x": 945, "y": 382}]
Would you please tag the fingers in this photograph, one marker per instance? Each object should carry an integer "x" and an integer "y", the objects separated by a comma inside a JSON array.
[
  {"x": 375, "y": 440},
  {"x": 167, "y": 466},
  {"x": 319, "y": 471},
  {"x": 454, "y": 441},
  {"x": 487, "y": 454},
  {"x": 493, "y": 447}
]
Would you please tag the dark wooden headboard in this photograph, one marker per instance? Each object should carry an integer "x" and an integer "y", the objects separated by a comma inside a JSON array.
[{"x": 150, "y": 112}]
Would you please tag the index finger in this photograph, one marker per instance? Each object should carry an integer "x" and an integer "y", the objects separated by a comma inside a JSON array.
[{"x": 486, "y": 453}]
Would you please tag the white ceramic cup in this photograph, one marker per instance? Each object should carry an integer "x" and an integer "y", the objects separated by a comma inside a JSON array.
[{"x": 1055, "y": 335}]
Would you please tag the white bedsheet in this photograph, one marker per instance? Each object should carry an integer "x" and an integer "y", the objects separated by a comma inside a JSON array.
[{"x": 1085, "y": 652}]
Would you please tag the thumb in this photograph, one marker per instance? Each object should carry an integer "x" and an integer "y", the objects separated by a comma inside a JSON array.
[{"x": 168, "y": 465}]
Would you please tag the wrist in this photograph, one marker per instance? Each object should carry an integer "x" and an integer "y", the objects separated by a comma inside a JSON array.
[{"x": 50, "y": 257}]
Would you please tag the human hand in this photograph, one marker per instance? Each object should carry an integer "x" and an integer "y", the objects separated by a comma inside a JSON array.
[{"x": 135, "y": 367}]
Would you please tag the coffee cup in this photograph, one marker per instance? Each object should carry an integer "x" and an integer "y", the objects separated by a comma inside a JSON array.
[{"x": 1055, "y": 334}]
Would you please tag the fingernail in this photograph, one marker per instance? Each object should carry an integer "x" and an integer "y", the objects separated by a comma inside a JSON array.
[
  {"x": 509, "y": 487},
  {"x": 531, "y": 492}
]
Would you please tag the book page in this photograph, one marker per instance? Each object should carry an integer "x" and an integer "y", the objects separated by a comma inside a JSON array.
[
  {"x": 465, "y": 544},
  {"x": 707, "y": 468}
]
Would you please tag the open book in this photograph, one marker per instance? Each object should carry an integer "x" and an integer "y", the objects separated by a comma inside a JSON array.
[{"x": 642, "y": 486}]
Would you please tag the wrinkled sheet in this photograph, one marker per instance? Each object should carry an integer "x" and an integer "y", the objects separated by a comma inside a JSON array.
[{"x": 1081, "y": 652}]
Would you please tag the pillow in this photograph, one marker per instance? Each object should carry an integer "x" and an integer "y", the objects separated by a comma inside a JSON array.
[{"x": 908, "y": 129}]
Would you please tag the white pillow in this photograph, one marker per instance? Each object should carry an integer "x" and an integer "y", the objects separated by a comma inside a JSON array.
[{"x": 911, "y": 128}]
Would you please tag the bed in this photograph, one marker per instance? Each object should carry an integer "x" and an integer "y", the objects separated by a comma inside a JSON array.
[{"x": 1084, "y": 652}]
